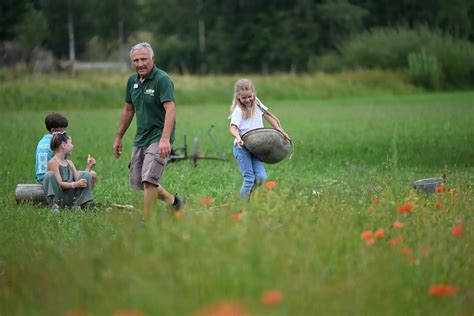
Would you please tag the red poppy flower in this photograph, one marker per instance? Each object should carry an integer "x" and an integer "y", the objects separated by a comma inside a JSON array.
[
  {"x": 405, "y": 208},
  {"x": 398, "y": 225},
  {"x": 178, "y": 214},
  {"x": 439, "y": 189},
  {"x": 406, "y": 250},
  {"x": 375, "y": 201},
  {"x": 77, "y": 312},
  {"x": 397, "y": 240},
  {"x": 366, "y": 235},
  {"x": 130, "y": 312},
  {"x": 224, "y": 308},
  {"x": 206, "y": 200},
  {"x": 236, "y": 215},
  {"x": 370, "y": 242},
  {"x": 270, "y": 184},
  {"x": 438, "y": 204},
  {"x": 443, "y": 290},
  {"x": 457, "y": 230},
  {"x": 379, "y": 233},
  {"x": 273, "y": 297}
]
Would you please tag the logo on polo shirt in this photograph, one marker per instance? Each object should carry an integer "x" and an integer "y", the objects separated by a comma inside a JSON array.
[{"x": 150, "y": 92}]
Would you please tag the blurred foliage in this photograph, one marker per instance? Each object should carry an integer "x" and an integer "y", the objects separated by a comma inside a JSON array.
[
  {"x": 424, "y": 69},
  {"x": 390, "y": 48},
  {"x": 210, "y": 36},
  {"x": 33, "y": 28}
]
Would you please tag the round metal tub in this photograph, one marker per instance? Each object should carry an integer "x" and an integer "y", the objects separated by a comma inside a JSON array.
[
  {"x": 427, "y": 186},
  {"x": 267, "y": 144}
]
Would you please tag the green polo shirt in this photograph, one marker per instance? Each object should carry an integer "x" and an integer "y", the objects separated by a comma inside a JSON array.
[{"x": 147, "y": 99}]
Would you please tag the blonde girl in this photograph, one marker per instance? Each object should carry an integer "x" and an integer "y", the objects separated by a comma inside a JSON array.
[{"x": 246, "y": 114}]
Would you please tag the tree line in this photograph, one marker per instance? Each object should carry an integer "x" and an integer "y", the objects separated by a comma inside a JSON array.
[{"x": 220, "y": 36}]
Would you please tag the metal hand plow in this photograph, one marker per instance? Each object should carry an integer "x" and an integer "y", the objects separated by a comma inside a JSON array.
[{"x": 181, "y": 153}]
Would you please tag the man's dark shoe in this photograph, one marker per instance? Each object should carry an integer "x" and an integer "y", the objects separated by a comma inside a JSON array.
[{"x": 178, "y": 203}]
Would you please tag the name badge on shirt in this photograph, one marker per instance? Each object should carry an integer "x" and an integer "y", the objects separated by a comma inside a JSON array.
[{"x": 135, "y": 86}]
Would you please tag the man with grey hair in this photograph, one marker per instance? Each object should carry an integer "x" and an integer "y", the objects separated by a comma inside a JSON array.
[{"x": 150, "y": 95}]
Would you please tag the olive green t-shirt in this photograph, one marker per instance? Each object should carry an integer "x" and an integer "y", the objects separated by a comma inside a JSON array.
[{"x": 147, "y": 99}]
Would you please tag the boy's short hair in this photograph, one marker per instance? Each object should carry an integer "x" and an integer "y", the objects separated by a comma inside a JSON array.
[{"x": 55, "y": 120}]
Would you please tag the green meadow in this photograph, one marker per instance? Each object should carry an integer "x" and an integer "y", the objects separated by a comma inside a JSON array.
[{"x": 342, "y": 231}]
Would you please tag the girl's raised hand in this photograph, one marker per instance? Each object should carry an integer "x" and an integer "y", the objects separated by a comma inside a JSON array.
[{"x": 90, "y": 161}]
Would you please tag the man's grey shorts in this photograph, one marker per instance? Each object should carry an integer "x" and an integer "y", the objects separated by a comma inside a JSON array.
[{"x": 146, "y": 165}]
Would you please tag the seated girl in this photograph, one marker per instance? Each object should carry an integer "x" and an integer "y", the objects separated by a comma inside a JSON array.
[{"x": 68, "y": 187}]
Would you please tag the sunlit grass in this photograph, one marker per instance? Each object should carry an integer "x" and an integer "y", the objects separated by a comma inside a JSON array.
[{"x": 300, "y": 238}]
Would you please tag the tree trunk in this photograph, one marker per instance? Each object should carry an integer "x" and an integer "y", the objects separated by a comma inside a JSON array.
[
  {"x": 122, "y": 58},
  {"x": 265, "y": 68},
  {"x": 72, "y": 45},
  {"x": 293, "y": 69},
  {"x": 30, "y": 192},
  {"x": 202, "y": 37},
  {"x": 120, "y": 44}
]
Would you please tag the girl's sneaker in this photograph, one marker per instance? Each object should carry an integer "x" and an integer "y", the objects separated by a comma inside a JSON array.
[{"x": 55, "y": 208}]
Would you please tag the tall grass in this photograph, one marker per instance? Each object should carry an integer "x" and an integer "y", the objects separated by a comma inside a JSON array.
[
  {"x": 300, "y": 239},
  {"x": 424, "y": 69},
  {"x": 106, "y": 90}
]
